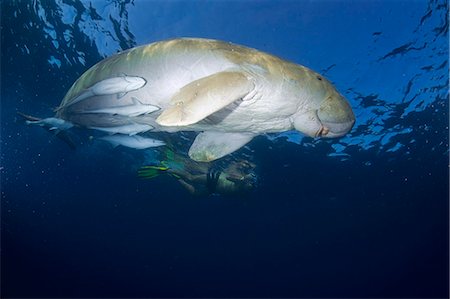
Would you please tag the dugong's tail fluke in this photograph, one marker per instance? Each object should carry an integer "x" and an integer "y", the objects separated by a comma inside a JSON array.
[{"x": 61, "y": 134}]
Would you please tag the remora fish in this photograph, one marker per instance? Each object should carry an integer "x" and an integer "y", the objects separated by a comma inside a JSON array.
[
  {"x": 136, "y": 141},
  {"x": 129, "y": 129},
  {"x": 51, "y": 123},
  {"x": 135, "y": 109},
  {"x": 228, "y": 92},
  {"x": 61, "y": 134},
  {"x": 119, "y": 86}
]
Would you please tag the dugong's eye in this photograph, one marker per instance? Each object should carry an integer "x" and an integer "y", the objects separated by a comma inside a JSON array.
[{"x": 319, "y": 78}]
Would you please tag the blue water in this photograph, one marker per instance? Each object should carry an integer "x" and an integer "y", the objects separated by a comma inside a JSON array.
[{"x": 365, "y": 215}]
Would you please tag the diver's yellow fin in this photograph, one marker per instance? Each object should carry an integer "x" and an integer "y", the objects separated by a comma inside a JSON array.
[{"x": 150, "y": 171}]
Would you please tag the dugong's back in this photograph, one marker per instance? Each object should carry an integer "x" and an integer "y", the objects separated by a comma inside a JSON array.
[{"x": 169, "y": 65}]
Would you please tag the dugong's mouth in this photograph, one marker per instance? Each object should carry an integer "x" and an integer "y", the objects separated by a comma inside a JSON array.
[
  {"x": 312, "y": 125},
  {"x": 334, "y": 129},
  {"x": 328, "y": 123},
  {"x": 335, "y": 116}
]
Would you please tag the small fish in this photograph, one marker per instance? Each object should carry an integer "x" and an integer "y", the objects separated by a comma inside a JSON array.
[
  {"x": 135, "y": 109},
  {"x": 129, "y": 129},
  {"x": 136, "y": 141},
  {"x": 61, "y": 134},
  {"x": 117, "y": 85},
  {"x": 51, "y": 123}
]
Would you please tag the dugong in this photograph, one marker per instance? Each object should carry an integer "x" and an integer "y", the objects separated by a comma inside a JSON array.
[{"x": 227, "y": 92}]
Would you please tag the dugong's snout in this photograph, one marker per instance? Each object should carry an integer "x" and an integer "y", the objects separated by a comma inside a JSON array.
[{"x": 334, "y": 118}]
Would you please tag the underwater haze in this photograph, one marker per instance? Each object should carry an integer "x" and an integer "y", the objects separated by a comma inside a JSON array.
[{"x": 364, "y": 215}]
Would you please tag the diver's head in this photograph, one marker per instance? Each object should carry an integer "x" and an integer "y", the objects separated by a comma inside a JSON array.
[
  {"x": 244, "y": 183},
  {"x": 242, "y": 174},
  {"x": 329, "y": 115},
  {"x": 250, "y": 182}
]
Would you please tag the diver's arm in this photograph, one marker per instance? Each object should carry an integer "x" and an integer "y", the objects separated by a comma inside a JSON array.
[
  {"x": 182, "y": 174},
  {"x": 191, "y": 178},
  {"x": 187, "y": 186},
  {"x": 198, "y": 178}
]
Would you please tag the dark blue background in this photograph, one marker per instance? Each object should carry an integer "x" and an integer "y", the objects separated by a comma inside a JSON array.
[{"x": 81, "y": 224}]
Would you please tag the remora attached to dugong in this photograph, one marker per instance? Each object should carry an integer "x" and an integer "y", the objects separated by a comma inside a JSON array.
[{"x": 228, "y": 93}]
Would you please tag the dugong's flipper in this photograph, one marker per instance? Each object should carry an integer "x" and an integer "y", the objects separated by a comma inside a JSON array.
[
  {"x": 205, "y": 96},
  {"x": 209, "y": 146}
]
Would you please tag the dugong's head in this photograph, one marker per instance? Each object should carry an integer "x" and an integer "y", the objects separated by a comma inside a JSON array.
[{"x": 326, "y": 112}]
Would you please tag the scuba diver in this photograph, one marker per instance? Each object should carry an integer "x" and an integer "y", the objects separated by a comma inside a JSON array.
[{"x": 236, "y": 176}]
